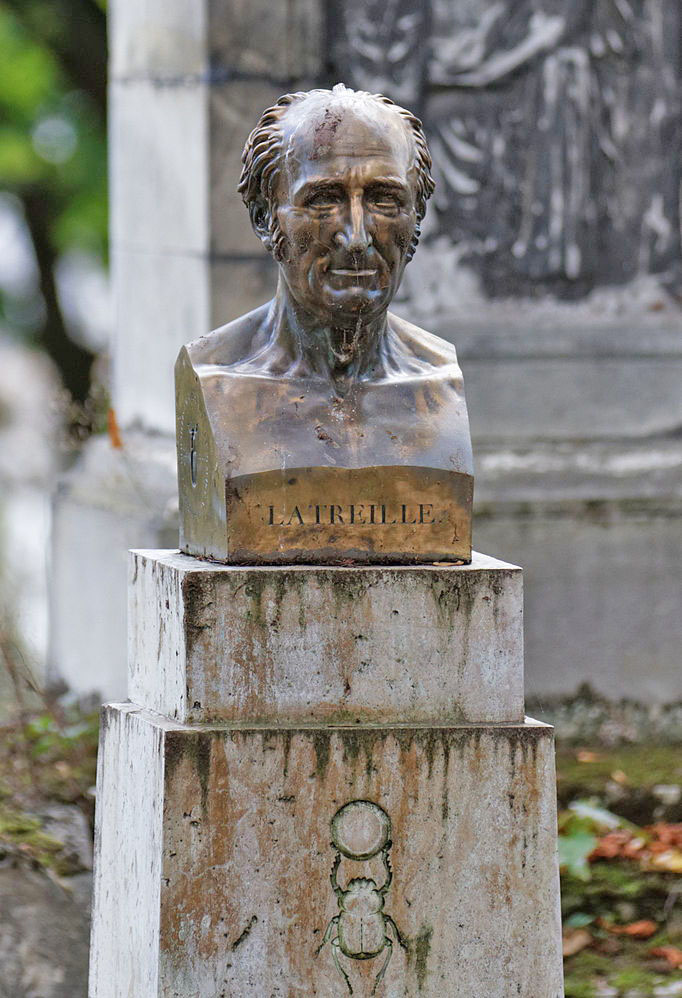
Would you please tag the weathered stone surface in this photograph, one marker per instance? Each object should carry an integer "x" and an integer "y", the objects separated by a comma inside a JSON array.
[
  {"x": 43, "y": 935},
  {"x": 614, "y": 604},
  {"x": 110, "y": 499},
  {"x": 159, "y": 167},
  {"x": 570, "y": 383},
  {"x": 194, "y": 290},
  {"x": 435, "y": 645},
  {"x": 241, "y": 899},
  {"x": 128, "y": 850},
  {"x": 159, "y": 39}
]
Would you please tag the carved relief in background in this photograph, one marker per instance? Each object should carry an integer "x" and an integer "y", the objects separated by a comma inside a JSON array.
[{"x": 554, "y": 126}]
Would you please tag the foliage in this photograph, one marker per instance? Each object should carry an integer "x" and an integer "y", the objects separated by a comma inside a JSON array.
[
  {"x": 621, "y": 881},
  {"x": 53, "y": 157},
  {"x": 51, "y": 756}
]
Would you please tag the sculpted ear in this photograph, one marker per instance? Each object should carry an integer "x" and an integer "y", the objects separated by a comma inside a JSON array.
[{"x": 260, "y": 220}]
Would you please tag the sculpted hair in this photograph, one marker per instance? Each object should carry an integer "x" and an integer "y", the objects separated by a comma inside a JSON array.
[{"x": 262, "y": 157}]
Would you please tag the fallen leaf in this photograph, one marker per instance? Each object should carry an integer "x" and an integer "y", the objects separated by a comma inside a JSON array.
[
  {"x": 635, "y": 930},
  {"x": 670, "y": 954},
  {"x": 585, "y": 756},
  {"x": 575, "y": 940},
  {"x": 611, "y": 845},
  {"x": 609, "y": 947},
  {"x": 114, "y": 432},
  {"x": 670, "y": 861},
  {"x": 668, "y": 834},
  {"x": 618, "y": 776}
]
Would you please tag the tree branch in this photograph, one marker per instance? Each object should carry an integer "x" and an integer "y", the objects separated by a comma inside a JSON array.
[{"x": 73, "y": 361}]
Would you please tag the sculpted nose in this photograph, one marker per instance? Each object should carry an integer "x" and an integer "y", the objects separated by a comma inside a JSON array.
[{"x": 354, "y": 236}]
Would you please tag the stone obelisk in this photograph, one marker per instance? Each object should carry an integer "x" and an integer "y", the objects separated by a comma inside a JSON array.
[{"x": 323, "y": 782}]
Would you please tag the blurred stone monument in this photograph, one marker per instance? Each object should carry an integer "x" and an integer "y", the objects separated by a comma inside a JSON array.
[
  {"x": 551, "y": 256},
  {"x": 323, "y": 782}
]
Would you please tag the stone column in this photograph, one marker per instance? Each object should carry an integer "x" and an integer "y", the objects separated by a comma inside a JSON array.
[
  {"x": 325, "y": 785},
  {"x": 188, "y": 78}
]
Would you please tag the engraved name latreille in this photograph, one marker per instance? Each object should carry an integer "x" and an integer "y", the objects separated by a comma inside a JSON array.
[{"x": 352, "y": 514}]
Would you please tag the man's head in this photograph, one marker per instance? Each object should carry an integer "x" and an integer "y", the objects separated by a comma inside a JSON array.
[{"x": 336, "y": 183}]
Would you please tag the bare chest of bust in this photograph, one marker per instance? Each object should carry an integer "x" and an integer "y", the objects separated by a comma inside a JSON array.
[{"x": 279, "y": 465}]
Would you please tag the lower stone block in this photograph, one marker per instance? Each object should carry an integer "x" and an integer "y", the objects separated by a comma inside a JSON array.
[{"x": 325, "y": 861}]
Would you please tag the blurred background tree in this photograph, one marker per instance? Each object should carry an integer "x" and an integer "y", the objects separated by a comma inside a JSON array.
[{"x": 53, "y": 164}]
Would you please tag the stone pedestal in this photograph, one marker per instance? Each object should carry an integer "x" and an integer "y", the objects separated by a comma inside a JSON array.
[{"x": 325, "y": 786}]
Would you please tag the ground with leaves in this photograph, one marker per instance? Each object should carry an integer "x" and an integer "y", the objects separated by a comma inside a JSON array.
[
  {"x": 620, "y": 846},
  {"x": 47, "y": 776}
]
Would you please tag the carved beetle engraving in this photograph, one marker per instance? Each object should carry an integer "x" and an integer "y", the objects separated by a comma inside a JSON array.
[{"x": 360, "y": 831}]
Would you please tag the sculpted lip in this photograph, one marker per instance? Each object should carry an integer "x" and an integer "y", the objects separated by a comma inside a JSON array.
[{"x": 355, "y": 273}]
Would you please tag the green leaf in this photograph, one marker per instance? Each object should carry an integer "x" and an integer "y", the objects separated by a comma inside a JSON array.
[
  {"x": 574, "y": 850},
  {"x": 600, "y": 819},
  {"x": 579, "y": 920}
]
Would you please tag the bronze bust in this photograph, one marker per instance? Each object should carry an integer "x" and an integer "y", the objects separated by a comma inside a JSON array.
[{"x": 321, "y": 428}]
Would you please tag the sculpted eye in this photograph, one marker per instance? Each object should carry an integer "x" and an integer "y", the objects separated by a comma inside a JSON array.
[
  {"x": 385, "y": 200},
  {"x": 323, "y": 199}
]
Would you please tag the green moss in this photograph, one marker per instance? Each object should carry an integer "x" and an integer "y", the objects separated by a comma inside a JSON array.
[
  {"x": 578, "y": 987},
  {"x": 613, "y": 884},
  {"x": 625, "y": 971},
  {"x": 634, "y": 979},
  {"x": 643, "y": 766},
  {"x": 422, "y": 948},
  {"x": 21, "y": 836}
]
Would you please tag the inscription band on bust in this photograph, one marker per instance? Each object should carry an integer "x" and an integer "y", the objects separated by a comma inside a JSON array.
[{"x": 351, "y": 514}]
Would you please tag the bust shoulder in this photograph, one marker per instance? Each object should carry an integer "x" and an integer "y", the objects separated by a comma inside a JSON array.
[
  {"x": 409, "y": 350},
  {"x": 425, "y": 349},
  {"x": 233, "y": 342}
]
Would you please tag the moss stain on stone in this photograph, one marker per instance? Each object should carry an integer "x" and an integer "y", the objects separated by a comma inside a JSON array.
[
  {"x": 445, "y": 798},
  {"x": 254, "y": 592},
  {"x": 422, "y": 948},
  {"x": 352, "y": 744},
  {"x": 195, "y": 746},
  {"x": 349, "y": 587},
  {"x": 321, "y": 744},
  {"x": 287, "y": 751}
]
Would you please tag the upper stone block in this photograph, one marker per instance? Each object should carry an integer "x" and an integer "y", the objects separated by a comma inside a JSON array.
[{"x": 301, "y": 645}]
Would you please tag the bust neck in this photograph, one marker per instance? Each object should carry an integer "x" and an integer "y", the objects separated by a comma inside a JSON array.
[{"x": 339, "y": 353}]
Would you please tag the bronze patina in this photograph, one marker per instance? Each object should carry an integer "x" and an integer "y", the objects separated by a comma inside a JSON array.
[{"x": 322, "y": 428}]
